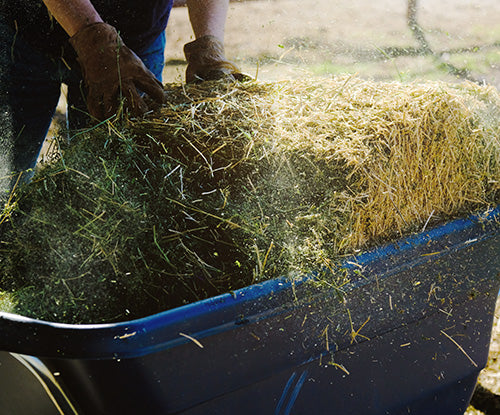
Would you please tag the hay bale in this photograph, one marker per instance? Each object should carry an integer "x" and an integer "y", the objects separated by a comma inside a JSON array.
[{"x": 228, "y": 185}]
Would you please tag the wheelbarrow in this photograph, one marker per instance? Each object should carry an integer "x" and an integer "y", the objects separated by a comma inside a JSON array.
[{"x": 409, "y": 334}]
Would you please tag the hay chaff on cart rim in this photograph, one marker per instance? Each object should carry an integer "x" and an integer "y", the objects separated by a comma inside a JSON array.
[{"x": 231, "y": 184}]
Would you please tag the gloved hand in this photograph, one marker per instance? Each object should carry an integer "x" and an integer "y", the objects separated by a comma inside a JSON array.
[
  {"x": 111, "y": 71},
  {"x": 206, "y": 61}
]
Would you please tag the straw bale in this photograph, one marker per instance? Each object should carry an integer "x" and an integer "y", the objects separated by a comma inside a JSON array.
[{"x": 229, "y": 185}]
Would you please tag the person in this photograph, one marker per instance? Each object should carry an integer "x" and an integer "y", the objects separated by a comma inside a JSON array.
[{"x": 108, "y": 53}]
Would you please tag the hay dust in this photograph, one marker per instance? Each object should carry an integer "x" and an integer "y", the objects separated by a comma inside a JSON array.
[{"x": 230, "y": 185}]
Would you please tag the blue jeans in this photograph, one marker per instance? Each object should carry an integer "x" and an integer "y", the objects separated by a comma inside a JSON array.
[{"x": 30, "y": 85}]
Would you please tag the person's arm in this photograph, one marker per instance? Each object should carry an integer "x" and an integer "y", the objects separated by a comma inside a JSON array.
[
  {"x": 73, "y": 15},
  {"x": 205, "y": 55},
  {"x": 208, "y": 17},
  {"x": 112, "y": 72}
]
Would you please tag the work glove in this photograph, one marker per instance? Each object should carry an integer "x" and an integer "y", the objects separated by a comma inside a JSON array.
[
  {"x": 206, "y": 61},
  {"x": 111, "y": 71}
]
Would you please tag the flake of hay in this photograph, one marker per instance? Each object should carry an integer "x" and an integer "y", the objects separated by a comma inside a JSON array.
[{"x": 227, "y": 185}]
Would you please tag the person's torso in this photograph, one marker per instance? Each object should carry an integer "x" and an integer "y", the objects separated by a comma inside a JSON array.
[{"x": 139, "y": 22}]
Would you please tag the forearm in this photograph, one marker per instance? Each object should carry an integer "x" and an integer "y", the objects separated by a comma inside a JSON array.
[
  {"x": 73, "y": 15},
  {"x": 208, "y": 17}
]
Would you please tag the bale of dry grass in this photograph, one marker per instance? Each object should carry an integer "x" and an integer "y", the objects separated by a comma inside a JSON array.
[{"x": 228, "y": 185}]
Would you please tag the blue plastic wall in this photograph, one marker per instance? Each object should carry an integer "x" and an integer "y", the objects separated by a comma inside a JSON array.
[{"x": 409, "y": 334}]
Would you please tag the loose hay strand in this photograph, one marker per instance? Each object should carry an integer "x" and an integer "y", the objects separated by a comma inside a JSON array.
[{"x": 459, "y": 347}]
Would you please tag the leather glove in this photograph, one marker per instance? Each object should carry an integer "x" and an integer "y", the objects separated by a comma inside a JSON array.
[
  {"x": 112, "y": 71},
  {"x": 206, "y": 61}
]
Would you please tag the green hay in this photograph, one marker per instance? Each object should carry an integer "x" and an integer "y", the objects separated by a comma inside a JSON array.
[{"x": 229, "y": 185}]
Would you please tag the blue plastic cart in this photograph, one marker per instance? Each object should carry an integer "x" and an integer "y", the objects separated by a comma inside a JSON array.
[{"x": 408, "y": 336}]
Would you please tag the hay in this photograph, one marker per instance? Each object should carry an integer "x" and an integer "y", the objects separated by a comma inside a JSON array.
[{"x": 229, "y": 185}]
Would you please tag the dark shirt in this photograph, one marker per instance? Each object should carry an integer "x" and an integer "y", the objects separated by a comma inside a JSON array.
[{"x": 139, "y": 23}]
